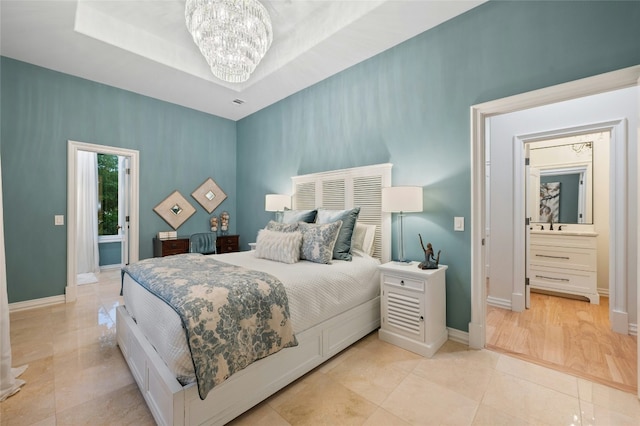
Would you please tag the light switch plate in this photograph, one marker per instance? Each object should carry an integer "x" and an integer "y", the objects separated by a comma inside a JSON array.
[
  {"x": 458, "y": 223},
  {"x": 58, "y": 219}
]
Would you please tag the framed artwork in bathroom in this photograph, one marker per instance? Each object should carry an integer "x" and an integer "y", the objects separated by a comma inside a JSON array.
[{"x": 550, "y": 202}]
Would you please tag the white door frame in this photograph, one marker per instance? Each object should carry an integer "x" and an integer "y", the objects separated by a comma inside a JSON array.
[
  {"x": 627, "y": 77},
  {"x": 618, "y": 255},
  {"x": 72, "y": 205}
]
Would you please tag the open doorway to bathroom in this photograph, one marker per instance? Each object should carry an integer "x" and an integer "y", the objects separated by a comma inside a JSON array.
[
  {"x": 624, "y": 227},
  {"x": 570, "y": 323}
]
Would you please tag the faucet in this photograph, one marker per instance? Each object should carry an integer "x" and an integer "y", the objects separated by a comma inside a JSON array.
[{"x": 550, "y": 220}]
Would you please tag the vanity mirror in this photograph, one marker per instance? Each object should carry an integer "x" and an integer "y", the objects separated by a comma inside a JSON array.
[{"x": 560, "y": 184}]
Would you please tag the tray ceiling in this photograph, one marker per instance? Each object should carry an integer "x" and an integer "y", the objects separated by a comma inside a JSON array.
[{"x": 144, "y": 46}]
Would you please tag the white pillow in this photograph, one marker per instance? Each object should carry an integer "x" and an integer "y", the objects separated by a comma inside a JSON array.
[
  {"x": 363, "y": 237},
  {"x": 279, "y": 246}
]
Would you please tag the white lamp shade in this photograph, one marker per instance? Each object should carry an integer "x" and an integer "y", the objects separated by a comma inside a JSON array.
[
  {"x": 405, "y": 199},
  {"x": 277, "y": 202}
]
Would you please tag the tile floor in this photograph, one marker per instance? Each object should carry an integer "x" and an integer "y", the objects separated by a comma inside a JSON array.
[{"x": 77, "y": 376}]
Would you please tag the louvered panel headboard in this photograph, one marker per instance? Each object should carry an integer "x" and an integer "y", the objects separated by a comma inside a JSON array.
[{"x": 348, "y": 188}]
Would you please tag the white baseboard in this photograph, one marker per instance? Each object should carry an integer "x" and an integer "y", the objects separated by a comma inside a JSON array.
[
  {"x": 476, "y": 335},
  {"x": 499, "y": 303},
  {"x": 458, "y": 336},
  {"x": 620, "y": 322},
  {"x": 36, "y": 303},
  {"x": 633, "y": 329},
  {"x": 111, "y": 267},
  {"x": 518, "y": 302}
]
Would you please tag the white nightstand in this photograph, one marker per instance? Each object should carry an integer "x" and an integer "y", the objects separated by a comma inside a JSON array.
[{"x": 413, "y": 307}]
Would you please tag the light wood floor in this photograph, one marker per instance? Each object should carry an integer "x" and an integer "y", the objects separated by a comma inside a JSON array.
[{"x": 569, "y": 335}]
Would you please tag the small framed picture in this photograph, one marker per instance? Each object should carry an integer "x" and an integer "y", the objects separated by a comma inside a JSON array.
[
  {"x": 209, "y": 195},
  {"x": 175, "y": 209}
]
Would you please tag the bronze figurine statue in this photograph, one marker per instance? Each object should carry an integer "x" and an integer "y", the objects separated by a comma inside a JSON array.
[{"x": 430, "y": 261}]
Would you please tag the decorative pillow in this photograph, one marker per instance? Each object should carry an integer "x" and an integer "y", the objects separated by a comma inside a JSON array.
[
  {"x": 318, "y": 241},
  {"x": 342, "y": 249},
  {"x": 294, "y": 216},
  {"x": 281, "y": 227},
  {"x": 363, "y": 237},
  {"x": 279, "y": 246}
]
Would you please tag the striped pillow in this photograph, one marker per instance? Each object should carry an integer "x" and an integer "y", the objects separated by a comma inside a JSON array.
[{"x": 279, "y": 246}]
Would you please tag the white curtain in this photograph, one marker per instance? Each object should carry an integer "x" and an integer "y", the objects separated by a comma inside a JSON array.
[
  {"x": 87, "y": 214},
  {"x": 9, "y": 384}
]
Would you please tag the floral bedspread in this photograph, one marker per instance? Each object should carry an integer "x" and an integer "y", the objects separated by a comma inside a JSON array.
[{"x": 233, "y": 316}]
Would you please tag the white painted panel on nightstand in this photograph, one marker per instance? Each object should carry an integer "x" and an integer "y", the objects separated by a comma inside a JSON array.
[{"x": 413, "y": 306}]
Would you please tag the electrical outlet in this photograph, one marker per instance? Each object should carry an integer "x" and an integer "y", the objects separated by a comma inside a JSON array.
[
  {"x": 58, "y": 220},
  {"x": 458, "y": 223}
]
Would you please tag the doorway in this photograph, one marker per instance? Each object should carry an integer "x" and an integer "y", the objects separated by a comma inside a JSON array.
[
  {"x": 567, "y": 183},
  {"x": 128, "y": 202},
  {"x": 102, "y": 195},
  {"x": 625, "y": 261},
  {"x": 562, "y": 262}
]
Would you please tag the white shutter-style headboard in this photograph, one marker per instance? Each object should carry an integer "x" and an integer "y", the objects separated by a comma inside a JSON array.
[{"x": 348, "y": 188}]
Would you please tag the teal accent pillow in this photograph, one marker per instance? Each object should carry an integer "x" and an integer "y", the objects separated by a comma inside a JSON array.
[
  {"x": 342, "y": 249},
  {"x": 295, "y": 216},
  {"x": 318, "y": 241}
]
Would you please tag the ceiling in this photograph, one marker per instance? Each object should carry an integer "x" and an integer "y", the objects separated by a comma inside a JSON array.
[{"x": 144, "y": 46}]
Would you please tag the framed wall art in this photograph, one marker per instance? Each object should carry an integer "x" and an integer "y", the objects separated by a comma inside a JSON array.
[
  {"x": 209, "y": 195},
  {"x": 550, "y": 202},
  {"x": 175, "y": 209}
]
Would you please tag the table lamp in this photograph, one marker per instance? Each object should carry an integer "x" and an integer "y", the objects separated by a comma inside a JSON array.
[
  {"x": 402, "y": 199},
  {"x": 277, "y": 203}
]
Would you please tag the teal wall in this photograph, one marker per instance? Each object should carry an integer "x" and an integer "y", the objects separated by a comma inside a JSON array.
[
  {"x": 42, "y": 110},
  {"x": 110, "y": 253},
  {"x": 410, "y": 106}
]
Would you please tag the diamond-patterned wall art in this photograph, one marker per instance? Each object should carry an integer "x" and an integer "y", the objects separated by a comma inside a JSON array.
[
  {"x": 209, "y": 195},
  {"x": 175, "y": 209}
]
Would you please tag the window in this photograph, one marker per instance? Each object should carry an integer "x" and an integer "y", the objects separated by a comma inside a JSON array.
[{"x": 108, "y": 177}]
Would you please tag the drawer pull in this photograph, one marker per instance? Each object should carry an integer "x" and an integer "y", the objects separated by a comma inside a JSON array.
[
  {"x": 553, "y": 257},
  {"x": 402, "y": 282},
  {"x": 551, "y": 278}
]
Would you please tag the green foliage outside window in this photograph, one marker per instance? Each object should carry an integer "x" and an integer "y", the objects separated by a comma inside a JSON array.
[{"x": 107, "y": 194}]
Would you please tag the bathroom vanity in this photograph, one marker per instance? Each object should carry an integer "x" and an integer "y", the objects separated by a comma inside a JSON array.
[{"x": 564, "y": 262}]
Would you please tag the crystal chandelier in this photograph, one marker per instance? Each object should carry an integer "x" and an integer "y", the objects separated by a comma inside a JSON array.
[{"x": 233, "y": 35}]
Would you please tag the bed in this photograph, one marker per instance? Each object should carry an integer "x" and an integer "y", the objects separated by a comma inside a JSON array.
[{"x": 331, "y": 307}]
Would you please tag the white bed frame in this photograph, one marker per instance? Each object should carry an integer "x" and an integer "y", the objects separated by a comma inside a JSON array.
[{"x": 172, "y": 404}]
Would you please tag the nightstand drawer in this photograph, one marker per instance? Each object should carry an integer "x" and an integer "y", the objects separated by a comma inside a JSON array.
[
  {"x": 228, "y": 244},
  {"x": 404, "y": 282},
  {"x": 170, "y": 247}
]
